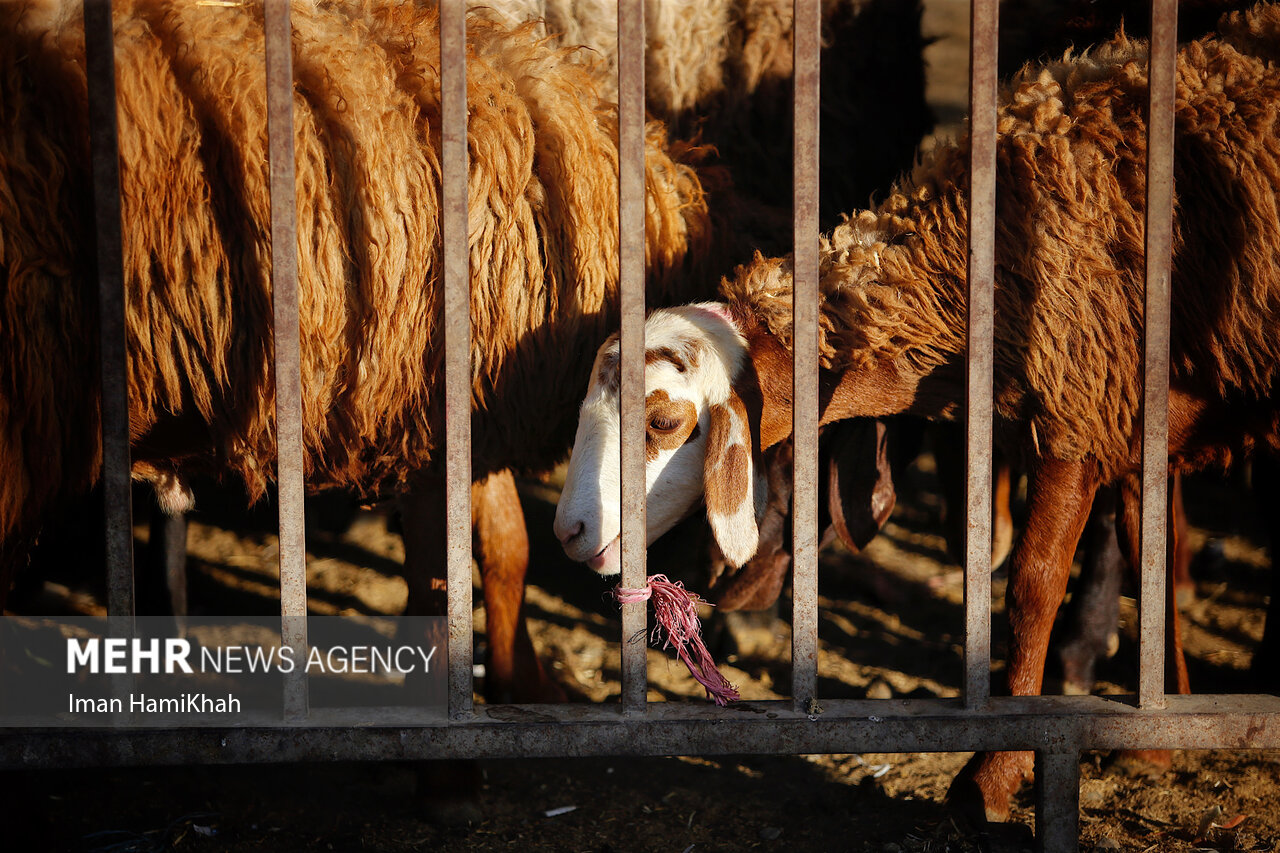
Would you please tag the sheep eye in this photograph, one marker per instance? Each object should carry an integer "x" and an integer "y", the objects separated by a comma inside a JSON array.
[{"x": 662, "y": 424}]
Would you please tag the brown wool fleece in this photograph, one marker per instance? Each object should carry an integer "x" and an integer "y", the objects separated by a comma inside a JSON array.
[
  {"x": 1069, "y": 248},
  {"x": 543, "y": 242}
]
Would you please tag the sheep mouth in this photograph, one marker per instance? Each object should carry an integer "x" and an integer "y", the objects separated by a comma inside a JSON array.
[{"x": 608, "y": 561}]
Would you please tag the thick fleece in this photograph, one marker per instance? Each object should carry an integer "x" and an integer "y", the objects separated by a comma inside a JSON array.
[
  {"x": 1069, "y": 255},
  {"x": 190, "y": 80}
]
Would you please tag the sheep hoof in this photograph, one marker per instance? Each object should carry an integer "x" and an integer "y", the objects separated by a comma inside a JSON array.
[
  {"x": 985, "y": 787},
  {"x": 1076, "y": 688}
]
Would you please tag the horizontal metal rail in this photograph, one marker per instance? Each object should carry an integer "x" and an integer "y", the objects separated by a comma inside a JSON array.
[{"x": 1055, "y": 724}]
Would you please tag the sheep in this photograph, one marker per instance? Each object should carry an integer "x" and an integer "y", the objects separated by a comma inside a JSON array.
[
  {"x": 721, "y": 71},
  {"x": 190, "y": 79},
  {"x": 1069, "y": 285},
  {"x": 1029, "y": 29}
]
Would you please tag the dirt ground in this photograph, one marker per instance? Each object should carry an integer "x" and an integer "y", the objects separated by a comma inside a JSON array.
[{"x": 891, "y": 623}]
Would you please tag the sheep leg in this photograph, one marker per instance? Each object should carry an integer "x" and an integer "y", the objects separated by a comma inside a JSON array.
[
  {"x": 1144, "y": 760},
  {"x": 1095, "y": 611},
  {"x": 422, "y": 527},
  {"x": 948, "y": 456},
  {"x": 501, "y": 547},
  {"x": 513, "y": 672},
  {"x": 1094, "y": 614},
  {"x": 422, "y": 514},
  {"x": 1059, "y": 500},
  {"x": 1180, "y": 566},
  {"x": 1131, "y": 524},
  {"x": 1001, "y": 515},
  {"x": 1177, "y": 559},
  {"x": 162, "y": 572}
]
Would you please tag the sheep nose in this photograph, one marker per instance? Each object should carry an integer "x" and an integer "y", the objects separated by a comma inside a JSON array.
[{"x": 568, "y": 534}]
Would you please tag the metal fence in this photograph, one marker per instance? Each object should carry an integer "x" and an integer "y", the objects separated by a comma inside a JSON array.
[{"x": 1057, "y": 728}]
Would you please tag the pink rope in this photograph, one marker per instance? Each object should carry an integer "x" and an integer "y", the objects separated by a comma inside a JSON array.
[
  {"x": 675, "y": 613},
  {"x": 630, "y": 596}
]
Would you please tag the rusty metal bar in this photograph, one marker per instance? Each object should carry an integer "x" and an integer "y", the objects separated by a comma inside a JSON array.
[
  {"x": 631, "y": 241},
  {"x": 112, "y": 333},
  {"x": 1155, "y": 405},
  {"x": 113, "y": 347},
  {"x": 1057, "y": 801},
  {"x": 980, "y": 364},
  {"x": 1052, "y": 724},
  {"x": 457, "y": 357},
  {"x": 804, "y": 507},
  {"x": 288, "y": 376}
]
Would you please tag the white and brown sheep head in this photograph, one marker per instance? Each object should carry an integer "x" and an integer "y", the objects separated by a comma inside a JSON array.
[{"x": 699, "y": 442}]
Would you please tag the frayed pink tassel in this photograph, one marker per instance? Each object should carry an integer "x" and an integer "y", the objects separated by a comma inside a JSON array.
[{"x": 675, "y": 612}]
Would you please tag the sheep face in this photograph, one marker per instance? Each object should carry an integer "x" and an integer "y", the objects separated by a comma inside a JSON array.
[{"x": 698, "y": 442}]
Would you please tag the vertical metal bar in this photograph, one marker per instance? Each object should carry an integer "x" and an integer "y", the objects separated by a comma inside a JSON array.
[
  {"x": 631, "y": 225},
  {"x": 980, "y": 362},
  {"x": 1057, "y": 801},
  {"x": 1155, "y": 406},
  {"x": 457, "y": 358},
  {"x": 112, "y": 342},
  {"x": 288, "y": 378},
  {"x": 103, "y": 129},
  {"x": 804, "y": 509}
]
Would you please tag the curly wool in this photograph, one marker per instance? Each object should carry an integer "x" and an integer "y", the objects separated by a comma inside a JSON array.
[
  {"x": 1069, "y": 247},
  {"x": 190, "y": 80}
]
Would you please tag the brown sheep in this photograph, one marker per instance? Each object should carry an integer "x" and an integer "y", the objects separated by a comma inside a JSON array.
[
  {"x": 721, "y": 70},
  {"x": 1069, "y": 293},
  {"x": 190, "y": 77}
]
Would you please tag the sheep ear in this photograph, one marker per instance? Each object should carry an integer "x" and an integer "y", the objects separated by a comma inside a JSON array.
[
  {"x": 860, "y": 493},
  {"x": 758, "y": 583},
  {"x": 734, "y": 481}
]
